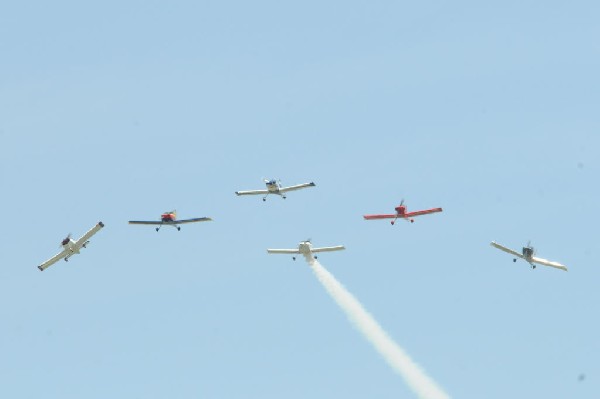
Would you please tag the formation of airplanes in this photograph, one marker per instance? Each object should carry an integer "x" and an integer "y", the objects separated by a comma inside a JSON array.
[{"x": 71, "y": 247}]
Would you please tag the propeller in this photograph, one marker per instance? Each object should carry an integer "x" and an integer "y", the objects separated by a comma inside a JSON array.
[
  {"x": 268, "y": 181},
  {"x": 402, "y": 202},
  {"x": 533, "y": 251},
  {"x": 66, "y": 240}
]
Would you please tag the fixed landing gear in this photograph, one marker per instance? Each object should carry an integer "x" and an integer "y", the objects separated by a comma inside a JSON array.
[
  {"x": 293, "y": 258},
  {"x": 264, "y": 199},
  {"x": 316, "y": 257},
  {"x": 514, "y": 260},
  {"x": 392, "y": 222},
  {"x": 158, "y": 228},
  {"x": 178, "y": 228},
  {"x": 85, "y": 244}
]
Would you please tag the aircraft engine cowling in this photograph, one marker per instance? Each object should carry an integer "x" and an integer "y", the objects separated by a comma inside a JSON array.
[{"x": 401, "y": 210}]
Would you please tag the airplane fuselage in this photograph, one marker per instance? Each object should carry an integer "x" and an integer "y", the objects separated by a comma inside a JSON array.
[
  {"x": 70, "y": 246},
  {"x": 401, "y": 211},
  {"x": 528, "y": 255},
  {"x": 527, "y": 252},
  {"x": 401, "y": 214},
  {"x": 169, "y": 218},
  {"x": 273, "y": 187},
  {"x": 305, "y": 248}
]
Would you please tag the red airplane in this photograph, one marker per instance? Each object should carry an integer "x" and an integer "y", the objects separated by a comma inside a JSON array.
[{"x": 402, "y": 214}]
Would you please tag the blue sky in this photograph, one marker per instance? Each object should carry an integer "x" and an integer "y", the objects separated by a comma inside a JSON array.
[{"x": 116, "y": 111}]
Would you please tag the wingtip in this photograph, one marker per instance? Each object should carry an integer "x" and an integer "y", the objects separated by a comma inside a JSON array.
[
  {"x": 41, "y": 268},
  {"x": 312, "y": 183},
  {"x": 101, "y": 224}
]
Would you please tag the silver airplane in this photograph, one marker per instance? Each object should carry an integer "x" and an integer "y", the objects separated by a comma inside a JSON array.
[{"x": 527, "y": 254}]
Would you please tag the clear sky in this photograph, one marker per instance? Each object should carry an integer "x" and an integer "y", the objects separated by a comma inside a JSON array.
[{"x": 118, "y": 110}]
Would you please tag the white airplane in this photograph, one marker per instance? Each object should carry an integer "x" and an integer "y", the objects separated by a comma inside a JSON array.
[
  {"x": 71, "y": 247},
  {"x": 305, "y": 248},
  {"x": 528, "y": 255},
  {"x": 274, "y": 187}
]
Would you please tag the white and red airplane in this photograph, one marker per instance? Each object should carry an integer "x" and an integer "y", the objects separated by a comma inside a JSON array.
[
  {"x": 402, "y": 214},
  {"x": 169, "y": 219},
  {"x": 527, "y": 254},
  {"x": 275, "y": 187},
  {"x": 305, "y": 248},
  {"x": 71, "y": 247}
]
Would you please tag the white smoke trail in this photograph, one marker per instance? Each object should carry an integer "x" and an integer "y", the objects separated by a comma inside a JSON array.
[{"x": 414, "y": 376}]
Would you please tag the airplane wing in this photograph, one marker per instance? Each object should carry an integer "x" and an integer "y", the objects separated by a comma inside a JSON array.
[
  {"x": 296, "y": 187},
  {"x": 53, "y": 260},
  {"x": 503, "y": 248},
  {"x": 546, "y": 262},
  {"x": 328, "y": 249},
  {"x": 145, "y": 222},
  {"x": 374, "y": 217},
  {"x": 283, "y": 251},
  {"x": 82, "y": 240},
  {"x": 194, "y": 220},
  {"x": 423, "y": 212},
  {"x": 252, "y": 192}
]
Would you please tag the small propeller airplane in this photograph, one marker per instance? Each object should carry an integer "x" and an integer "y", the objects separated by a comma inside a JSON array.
[
  {"x": 527, "y": 254},
  {"x": 305, "y": 248},
  {"x": 275, "y": 187},
  {"x": 169, "y": 219},
  {"x": 402, "y": 214},
  {"x": 71, "y": 247}
]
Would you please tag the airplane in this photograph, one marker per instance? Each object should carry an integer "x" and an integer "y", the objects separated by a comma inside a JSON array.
[
  {"x": 169, "y": 219},
  {"x": 402, "y": 214},
  {"x": 71, "y": 247},
  {"x": 274, "y": 187},
  {"x": 527, "y": 254},
  {"x": 305, "y": 248}
]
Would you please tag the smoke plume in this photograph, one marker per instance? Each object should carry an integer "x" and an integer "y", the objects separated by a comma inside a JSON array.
[{"x": 414, "y": 376}]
